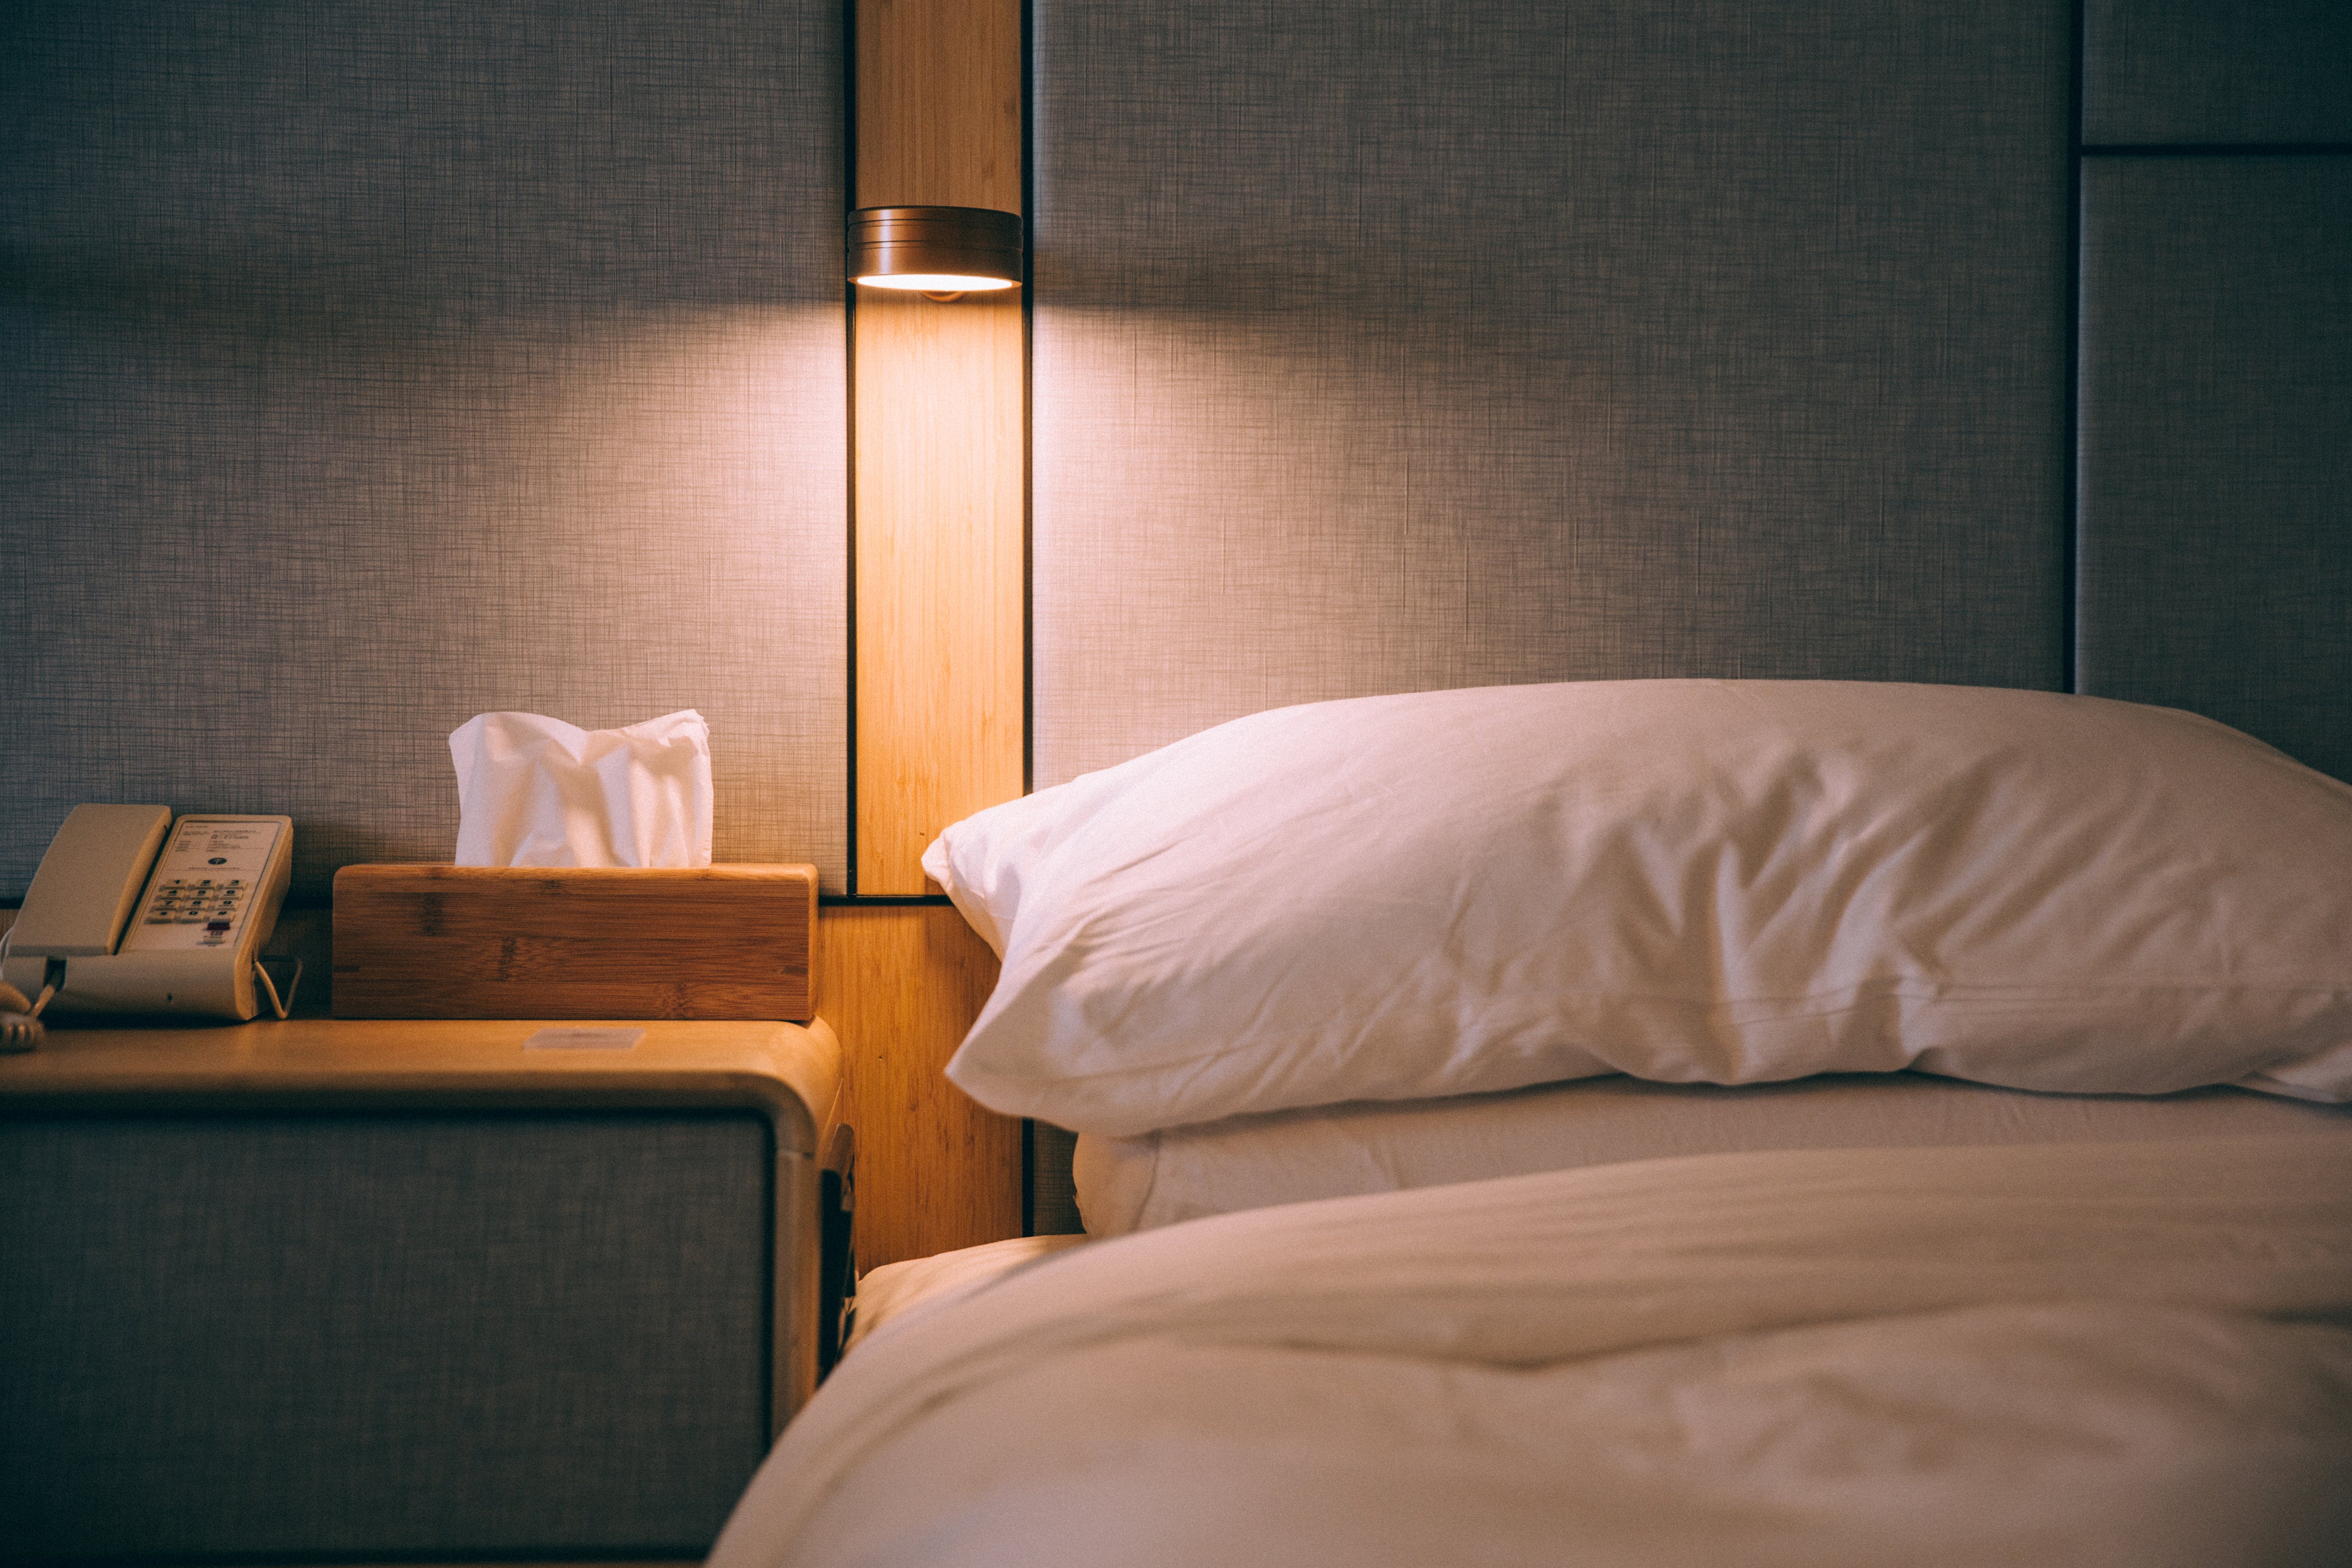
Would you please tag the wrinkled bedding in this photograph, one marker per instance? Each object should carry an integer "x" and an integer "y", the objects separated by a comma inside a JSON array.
[{"x": 2128, "y": 1354}]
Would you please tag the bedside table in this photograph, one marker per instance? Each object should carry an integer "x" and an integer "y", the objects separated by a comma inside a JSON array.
[{"x": 335, "y": 1288}]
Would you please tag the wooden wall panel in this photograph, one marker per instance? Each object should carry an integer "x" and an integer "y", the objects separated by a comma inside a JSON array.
[
  {"x": 938, "y": 103},
  {"x": 939, "y": 573},
  {"x": 939, "y": 412},
  {"x": 939, "y": 405},
  {"x": 901, "y": 984}
]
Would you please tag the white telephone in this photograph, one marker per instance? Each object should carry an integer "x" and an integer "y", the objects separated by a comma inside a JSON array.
[{"x": 99, "y": 934}]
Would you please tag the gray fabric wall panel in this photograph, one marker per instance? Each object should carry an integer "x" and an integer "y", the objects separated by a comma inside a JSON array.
[
  {"x": 1393, "y": 344},
  {"x": 2194, "y": 71},
  {"x": 366, "y": 366},
  {"x": 2217, "y": 443},
  {"x": 414, "y": 1335}
]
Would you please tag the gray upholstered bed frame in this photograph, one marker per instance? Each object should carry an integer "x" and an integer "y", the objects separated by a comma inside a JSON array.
[{"x": 1383, "y": 345}]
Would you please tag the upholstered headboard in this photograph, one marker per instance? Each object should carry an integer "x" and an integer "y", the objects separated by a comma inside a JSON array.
[
  {"x": 2216, "y": 450},
  {"x": 363, "y": 367},
  {"x": 1389, "y": 344},
  {"x": 1383, "y": 345}
]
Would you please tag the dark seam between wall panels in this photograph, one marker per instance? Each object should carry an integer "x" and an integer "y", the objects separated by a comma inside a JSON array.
[
  {"x": 849, "y": 435},
  {"x": 2070, "y": 529},
  {"x": 2219, "y": 150},
  {"x": 1028, "y": 339},
  {"x": 1028, "y": 494}
]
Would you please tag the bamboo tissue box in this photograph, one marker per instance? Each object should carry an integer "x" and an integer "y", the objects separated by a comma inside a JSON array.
[{"x": 549, "y": 941}]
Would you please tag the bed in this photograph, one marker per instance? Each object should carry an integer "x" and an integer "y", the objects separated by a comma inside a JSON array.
[{"x": 1642, "y": 1122}]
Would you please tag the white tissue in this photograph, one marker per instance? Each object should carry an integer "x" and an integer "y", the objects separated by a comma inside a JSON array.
[{"x": 533, "y": 790}]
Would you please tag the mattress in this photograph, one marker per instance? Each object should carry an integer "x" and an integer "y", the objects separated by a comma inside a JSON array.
[
  {"x": 2100, "y": 1356},
  {"x": 1251, "y": 1161}
]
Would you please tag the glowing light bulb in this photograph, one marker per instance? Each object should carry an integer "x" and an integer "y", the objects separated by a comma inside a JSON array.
[{"x": 934, "y": 282}]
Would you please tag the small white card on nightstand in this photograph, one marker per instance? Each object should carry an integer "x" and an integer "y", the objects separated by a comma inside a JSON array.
[{"x": 585, "y": 1039}]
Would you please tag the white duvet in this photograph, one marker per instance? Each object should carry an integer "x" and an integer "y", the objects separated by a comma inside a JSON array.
[{"x": 2132, "y": 1355}]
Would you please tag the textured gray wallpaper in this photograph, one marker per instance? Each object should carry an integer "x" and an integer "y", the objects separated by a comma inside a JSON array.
[
  {"x": 1396, "y": 344},
  {"x": 365, "y": 366},
  {"x": 2199, "y": 70},
  {"x": 2217, "y": 442}
]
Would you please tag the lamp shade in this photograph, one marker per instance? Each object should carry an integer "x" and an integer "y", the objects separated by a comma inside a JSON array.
[{"x": 936, "y": 250}]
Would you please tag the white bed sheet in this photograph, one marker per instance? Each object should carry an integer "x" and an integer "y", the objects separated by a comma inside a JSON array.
[
  {"x": 2129, "y": 1354},
  {"x": 893, "y": 1290},
  {"x": 1252, "y": 1162}
]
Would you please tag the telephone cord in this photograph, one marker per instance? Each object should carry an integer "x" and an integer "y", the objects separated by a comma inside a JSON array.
[{"x": 20, "y": 1021}]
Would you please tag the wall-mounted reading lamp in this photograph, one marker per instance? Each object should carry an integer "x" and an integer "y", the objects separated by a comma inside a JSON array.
[{"x": 942, "y": 252}]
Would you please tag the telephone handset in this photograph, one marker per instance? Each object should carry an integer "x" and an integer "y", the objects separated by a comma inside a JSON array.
[{"x": 110, "y": 938}]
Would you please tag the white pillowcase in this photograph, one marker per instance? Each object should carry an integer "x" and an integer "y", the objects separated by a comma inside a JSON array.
[
  {"x": 1725, "y": 881},
  {"x": 1391, "y": 1145}
]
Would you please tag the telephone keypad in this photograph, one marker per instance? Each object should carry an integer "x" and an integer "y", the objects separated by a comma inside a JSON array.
[{"x": 197, "y": 899}]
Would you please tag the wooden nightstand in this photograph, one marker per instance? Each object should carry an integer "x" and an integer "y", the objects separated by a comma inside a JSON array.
[{"x": 345, "y": 1288}]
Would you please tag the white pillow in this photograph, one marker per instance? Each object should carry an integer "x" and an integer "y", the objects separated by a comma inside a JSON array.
[
  {"x": 1391, "y": 1146},
  {"x": 1725, "y": 881}
]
